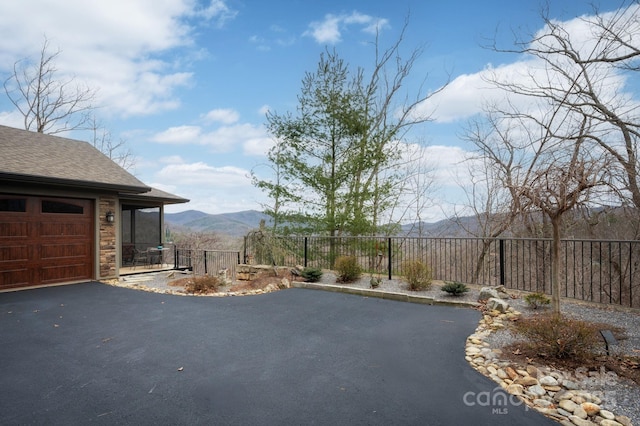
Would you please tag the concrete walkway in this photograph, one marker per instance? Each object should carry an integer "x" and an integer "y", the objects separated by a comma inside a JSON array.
[{"x": 93, "y": 353}]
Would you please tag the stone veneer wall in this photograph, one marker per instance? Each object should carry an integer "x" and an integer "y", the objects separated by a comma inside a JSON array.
[{"x": 107, "y": 244}]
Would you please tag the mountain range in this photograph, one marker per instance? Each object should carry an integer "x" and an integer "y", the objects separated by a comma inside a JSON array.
[
  {"x": 232, "y": 224},
  {"x": 241, "y": 223}
]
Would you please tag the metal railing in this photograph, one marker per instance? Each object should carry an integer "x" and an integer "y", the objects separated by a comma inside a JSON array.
[
  {"x": 592, "y": 270},
  {"x": 211, "y": 262}
]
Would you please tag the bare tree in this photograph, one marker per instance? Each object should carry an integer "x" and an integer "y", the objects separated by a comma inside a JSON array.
[
  {"x": 117, "y": 151},
  {"x": 585, "y": 72},
  {"x": 48, "y": 104},
  {"x": 489, "y": 186},
  {"x": 548, "y": 168},
  {"x": 414, "y": 192}
]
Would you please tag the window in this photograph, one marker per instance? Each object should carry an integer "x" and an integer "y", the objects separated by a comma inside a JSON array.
[
  {"x": 49, "y": 206},
  {"x": 13, "y": 205}
]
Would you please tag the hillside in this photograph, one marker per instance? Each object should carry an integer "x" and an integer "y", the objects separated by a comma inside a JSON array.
[
  {"x": 239, "y": 224},
  {"x": 233, "y": 224},
  {"x": 611, "y": 223},
  {"x": 184, "y": 217}
]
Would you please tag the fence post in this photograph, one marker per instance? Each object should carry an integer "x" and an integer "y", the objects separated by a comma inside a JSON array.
[
  {"x": 305, "y": 251},
  {"x": 175, "y": 257},
  {"x": 389, "y": 257},
  {"x": 205, "y": 262},
  {"x": 244, "y": 250},
  {"x": 502, "y": 279}
]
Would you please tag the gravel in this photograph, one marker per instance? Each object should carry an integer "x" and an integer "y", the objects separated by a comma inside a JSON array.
[{"x": 620, "y": 396}]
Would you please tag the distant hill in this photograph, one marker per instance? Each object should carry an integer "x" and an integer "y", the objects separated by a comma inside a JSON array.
[
  {"x": 610, "y": 223},
  {"x": 184, "y": 217},
  {"x": 467, "y": 226},
  {"x": 233, "y": 224},
  {"x": 241, "y": 223}
]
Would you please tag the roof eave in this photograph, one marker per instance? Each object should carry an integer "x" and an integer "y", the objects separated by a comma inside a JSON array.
[
  {"x": 141, "y": 197},
  {"x": 44, "y": 180}
]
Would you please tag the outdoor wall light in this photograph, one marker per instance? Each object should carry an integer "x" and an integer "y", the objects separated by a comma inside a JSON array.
[{"x": 110, "y": 217}]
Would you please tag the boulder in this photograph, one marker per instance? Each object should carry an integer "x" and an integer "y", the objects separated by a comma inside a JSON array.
[
  {"x": 502, "y": 292},
  {"x": 487, "y": 293},
  {"x": 498, "y": 305},
  {"x": 284, "y": 283},
  {"x": 498, "y": 292}
]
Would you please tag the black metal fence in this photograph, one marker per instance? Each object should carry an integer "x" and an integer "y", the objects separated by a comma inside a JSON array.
[
  {"x": 593, "y": 270},
  {"x": 211, "y": 262}
]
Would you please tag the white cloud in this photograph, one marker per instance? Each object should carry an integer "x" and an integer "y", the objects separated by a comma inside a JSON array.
[
  {"x": 211, "y": 189},
  {"x": 263, "y": 110},
  {"x": 251, "y": 138},
  {"x": 329, "y": 31},
  {"x": 466, "y": 95},
  {"x": 218, "y": 11},
  {"x": 201, "y": 173},
  {"x": 126, "y": 49},
  {"x": 224, "y": 116},
  {"x": 179, "y": 135},
  {"x": 12, "y": 119},
  {"x": 257, "y": 146}
]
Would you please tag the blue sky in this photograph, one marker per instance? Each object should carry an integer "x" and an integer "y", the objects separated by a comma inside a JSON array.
[{"x": 186, "y": 83}]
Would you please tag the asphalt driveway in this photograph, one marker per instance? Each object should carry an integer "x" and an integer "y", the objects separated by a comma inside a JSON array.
[{"x": 96, "y": 354}]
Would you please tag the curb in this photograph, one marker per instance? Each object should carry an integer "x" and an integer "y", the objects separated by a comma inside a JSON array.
[{"x": 400, "y": 297}]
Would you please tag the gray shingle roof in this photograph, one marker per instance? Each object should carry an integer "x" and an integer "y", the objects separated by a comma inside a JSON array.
[
  {"x": 35, "y": 157},
  {"x": 157, "y": 195}
]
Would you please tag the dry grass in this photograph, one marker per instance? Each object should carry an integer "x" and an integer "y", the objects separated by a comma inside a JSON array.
[{"x": 211, "y": 285}]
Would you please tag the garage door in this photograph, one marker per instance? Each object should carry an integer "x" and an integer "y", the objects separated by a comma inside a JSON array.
[{"x": 45, "y": 240}]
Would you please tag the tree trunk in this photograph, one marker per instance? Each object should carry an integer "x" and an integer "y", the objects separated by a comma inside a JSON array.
[{"x": 555, "y": 264}]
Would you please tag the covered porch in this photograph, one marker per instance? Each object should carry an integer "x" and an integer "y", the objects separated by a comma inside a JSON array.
[{"x": 144, "y": 242}]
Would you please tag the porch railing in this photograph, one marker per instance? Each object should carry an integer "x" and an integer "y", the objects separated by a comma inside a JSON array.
[
  {"x": 592, "y": 270},
  {"x": 203, "y": 262}
]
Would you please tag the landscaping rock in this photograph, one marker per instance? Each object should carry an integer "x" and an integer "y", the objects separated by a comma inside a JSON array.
[
  {"x": 606, "y": 422},
  {"x": 498, "y": 292},
  {"x": 590, "y": 408},
  {"x": 556, "y": 394},
  {"x": 581, "y": 422},
  {"x": 527, "y": 381},
  {"x": 548, "y": 381},
  {"x": 284, "y": 284},
  {"x": 487, "y": 293},
  {"x": 498, "y": 305}
]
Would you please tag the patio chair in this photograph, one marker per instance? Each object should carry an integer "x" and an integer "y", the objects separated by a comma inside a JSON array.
[{"x": 140, "y": 257}]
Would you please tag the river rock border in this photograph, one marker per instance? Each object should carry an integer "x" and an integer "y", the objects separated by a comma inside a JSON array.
[
  {"x": 559, "y": 395},
  {"x": 284, "y": 283}
]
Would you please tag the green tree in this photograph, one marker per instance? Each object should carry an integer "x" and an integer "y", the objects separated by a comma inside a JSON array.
[
  {"x": 316, "y": 152},
  {"x": 337, "y": 160}
]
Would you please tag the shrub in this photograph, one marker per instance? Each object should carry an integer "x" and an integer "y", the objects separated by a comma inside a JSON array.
[
  {"x": 455, "y": 288},
  {"x": 311, "y": 274},
  {"x": 535, "y": 300},
  {"x": 202, "y": 285},
  {"x": 558, "y": 336},
  {"x": 375, "y": 281},
  {"x": 348, "y": 269},
  {"x": 417, "y": 274}
]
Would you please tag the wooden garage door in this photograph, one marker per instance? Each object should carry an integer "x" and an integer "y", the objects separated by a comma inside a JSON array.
[{"x": 45, "y": 240}]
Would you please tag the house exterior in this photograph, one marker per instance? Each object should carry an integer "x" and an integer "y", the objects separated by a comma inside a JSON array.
[{"x": 68, "y": 213}]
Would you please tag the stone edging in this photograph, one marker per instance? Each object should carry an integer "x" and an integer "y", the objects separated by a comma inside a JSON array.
[
  {"x": 558, "y": 395},
  {"x": 143, "y": 287}
]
